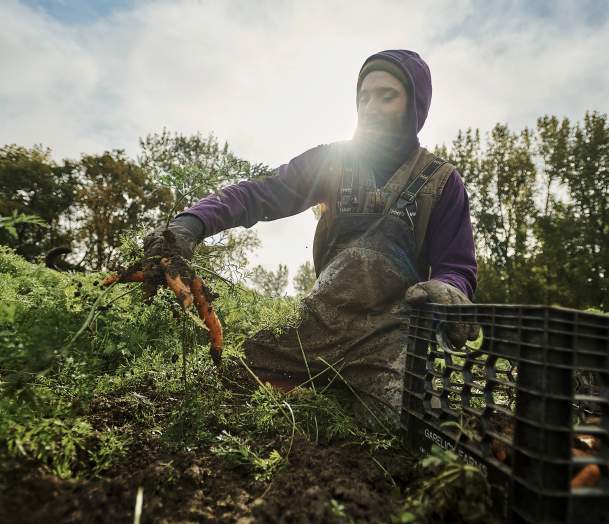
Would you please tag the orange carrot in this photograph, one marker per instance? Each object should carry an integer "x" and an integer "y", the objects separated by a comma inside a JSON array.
[
  {"x": 110, "y": 279},
  {"x": 500, "y": 450},
  {"x": 208, "y": 315},
  {"x": 589, "y": 440},
  {"x": 176, "y": 284},
  {"x": 186, "y": 295},
  {"x": 135, "y": 276},
  {"x": 587, "y": 477},
  {"x": 579, "y": 453}
]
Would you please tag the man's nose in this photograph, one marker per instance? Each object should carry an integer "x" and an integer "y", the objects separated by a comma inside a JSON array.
[{"x": 370, "y": 107}]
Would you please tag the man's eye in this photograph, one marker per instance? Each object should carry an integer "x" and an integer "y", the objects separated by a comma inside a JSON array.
[{"x": 387, "y": 98}]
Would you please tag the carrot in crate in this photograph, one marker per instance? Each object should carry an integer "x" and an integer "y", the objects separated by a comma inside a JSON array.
[{"x": 588, "y": 477}]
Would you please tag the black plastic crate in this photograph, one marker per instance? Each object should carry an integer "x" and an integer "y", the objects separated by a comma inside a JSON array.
[{"x": 535, "y": 390}]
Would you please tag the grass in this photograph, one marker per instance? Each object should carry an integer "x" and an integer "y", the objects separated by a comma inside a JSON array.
[{"x": 69, "y": 344}]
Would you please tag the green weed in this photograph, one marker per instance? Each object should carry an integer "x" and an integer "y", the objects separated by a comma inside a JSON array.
[
  {"x": 449, "y": 491},
  {"x": 239, "y": 451}
]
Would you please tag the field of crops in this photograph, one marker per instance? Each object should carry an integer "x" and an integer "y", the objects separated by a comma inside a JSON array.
[{"x": 111, "y": 410}]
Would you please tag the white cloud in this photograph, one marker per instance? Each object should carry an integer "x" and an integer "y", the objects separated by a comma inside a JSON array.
[{"x": 275, "y": 78}]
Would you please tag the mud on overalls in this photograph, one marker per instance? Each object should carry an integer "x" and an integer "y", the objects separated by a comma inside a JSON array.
[{"x": 366, "y": 248}]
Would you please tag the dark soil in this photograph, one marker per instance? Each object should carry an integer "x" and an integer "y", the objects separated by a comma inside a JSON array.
[{"x": 338, "y": 483}]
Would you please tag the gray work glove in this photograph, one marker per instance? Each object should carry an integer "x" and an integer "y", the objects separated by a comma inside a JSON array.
[
  {"x": 175, "y": 242},
  {"x": 179, "y": 238},
  {"x": 439, "y": 292}
]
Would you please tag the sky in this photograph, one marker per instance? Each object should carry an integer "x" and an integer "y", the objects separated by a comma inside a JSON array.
[{"x": 276, "y": 77}]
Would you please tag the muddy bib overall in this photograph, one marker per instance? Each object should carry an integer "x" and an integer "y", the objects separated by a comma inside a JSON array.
[{"x": 353, "y": 325}]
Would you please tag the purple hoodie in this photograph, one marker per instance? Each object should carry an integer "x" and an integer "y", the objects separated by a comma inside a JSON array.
[{"x": 296, "y": 186}]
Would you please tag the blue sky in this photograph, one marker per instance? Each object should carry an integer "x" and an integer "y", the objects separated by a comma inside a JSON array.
[
  {"x": 79, "y": 11},
  {"x": 592, "y": 12},
  {"x": 275, "y": 78}
]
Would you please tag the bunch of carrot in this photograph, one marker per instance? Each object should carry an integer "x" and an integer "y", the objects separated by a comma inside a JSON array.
[
  {"x": 187, "y": 294},
  {"x": 588, "y": 477}
]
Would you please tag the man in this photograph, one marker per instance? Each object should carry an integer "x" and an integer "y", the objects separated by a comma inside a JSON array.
[{"x": 395, "y": 224}]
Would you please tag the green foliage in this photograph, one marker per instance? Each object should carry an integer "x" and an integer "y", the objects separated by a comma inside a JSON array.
[
  {"x": 44, "y": 310},
  {"x": 249, "y": 312},
  {"x": 114, "y": 196},
  {"x": 338, "y": 509},
  {"x": 36, "y": 313},
  {"x": 69, "y": 349},
  {"x": 47, "y": 372},
  {"x": 226, "y": 254},
  {"x": 68, "y": 446},
  {"x": 239, "y": 451},
  {"x": 319, "y": 417},
  {"x": 45, "y": 427},
  {"x": 10, "y": 223},
  {"x": 88, "y": 203},
  {"x": 270, "y": 283},
  {"x": 449, "y": 491},
  {"x": 92, "y": 203},
  {"x": 49, "y": 440},
  {"x": 31, "y": 183},
  {"x": 193, "y": 167},
  {"x": 538, "y": 201},
  {"x": 304, "y": 279}
]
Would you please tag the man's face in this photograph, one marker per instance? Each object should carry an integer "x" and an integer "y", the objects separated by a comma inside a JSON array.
[{"x": 382, "y": 107}]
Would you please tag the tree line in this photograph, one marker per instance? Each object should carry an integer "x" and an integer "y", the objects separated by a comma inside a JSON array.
[
  {"x": 540, "y": 208},
  {"x": 538, "y": 198}
]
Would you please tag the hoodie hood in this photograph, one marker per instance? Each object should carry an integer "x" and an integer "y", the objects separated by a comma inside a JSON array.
[
  {"x": 419, "y": 77},
  {"x": 416, "y": 72}
]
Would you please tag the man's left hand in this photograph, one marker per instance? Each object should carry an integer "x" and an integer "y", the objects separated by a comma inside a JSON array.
[{"x": 439, "y": 292}]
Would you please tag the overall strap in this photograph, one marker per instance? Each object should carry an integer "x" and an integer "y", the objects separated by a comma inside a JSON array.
[
  {"x": 347, "y": 189},
  {"x": 406, "y": 204}
]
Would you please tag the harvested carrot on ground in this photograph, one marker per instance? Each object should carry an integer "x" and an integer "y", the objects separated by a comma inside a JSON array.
[
  {"x": 176, "y": 284},
  {"x": 208, "y": 315},
  {"x": 587, "y": 477}
]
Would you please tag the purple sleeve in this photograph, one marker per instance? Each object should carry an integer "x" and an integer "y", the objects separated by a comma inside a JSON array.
[
  {"x": 449, "y": 240},
  {"x": 296, "y": 186}
]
